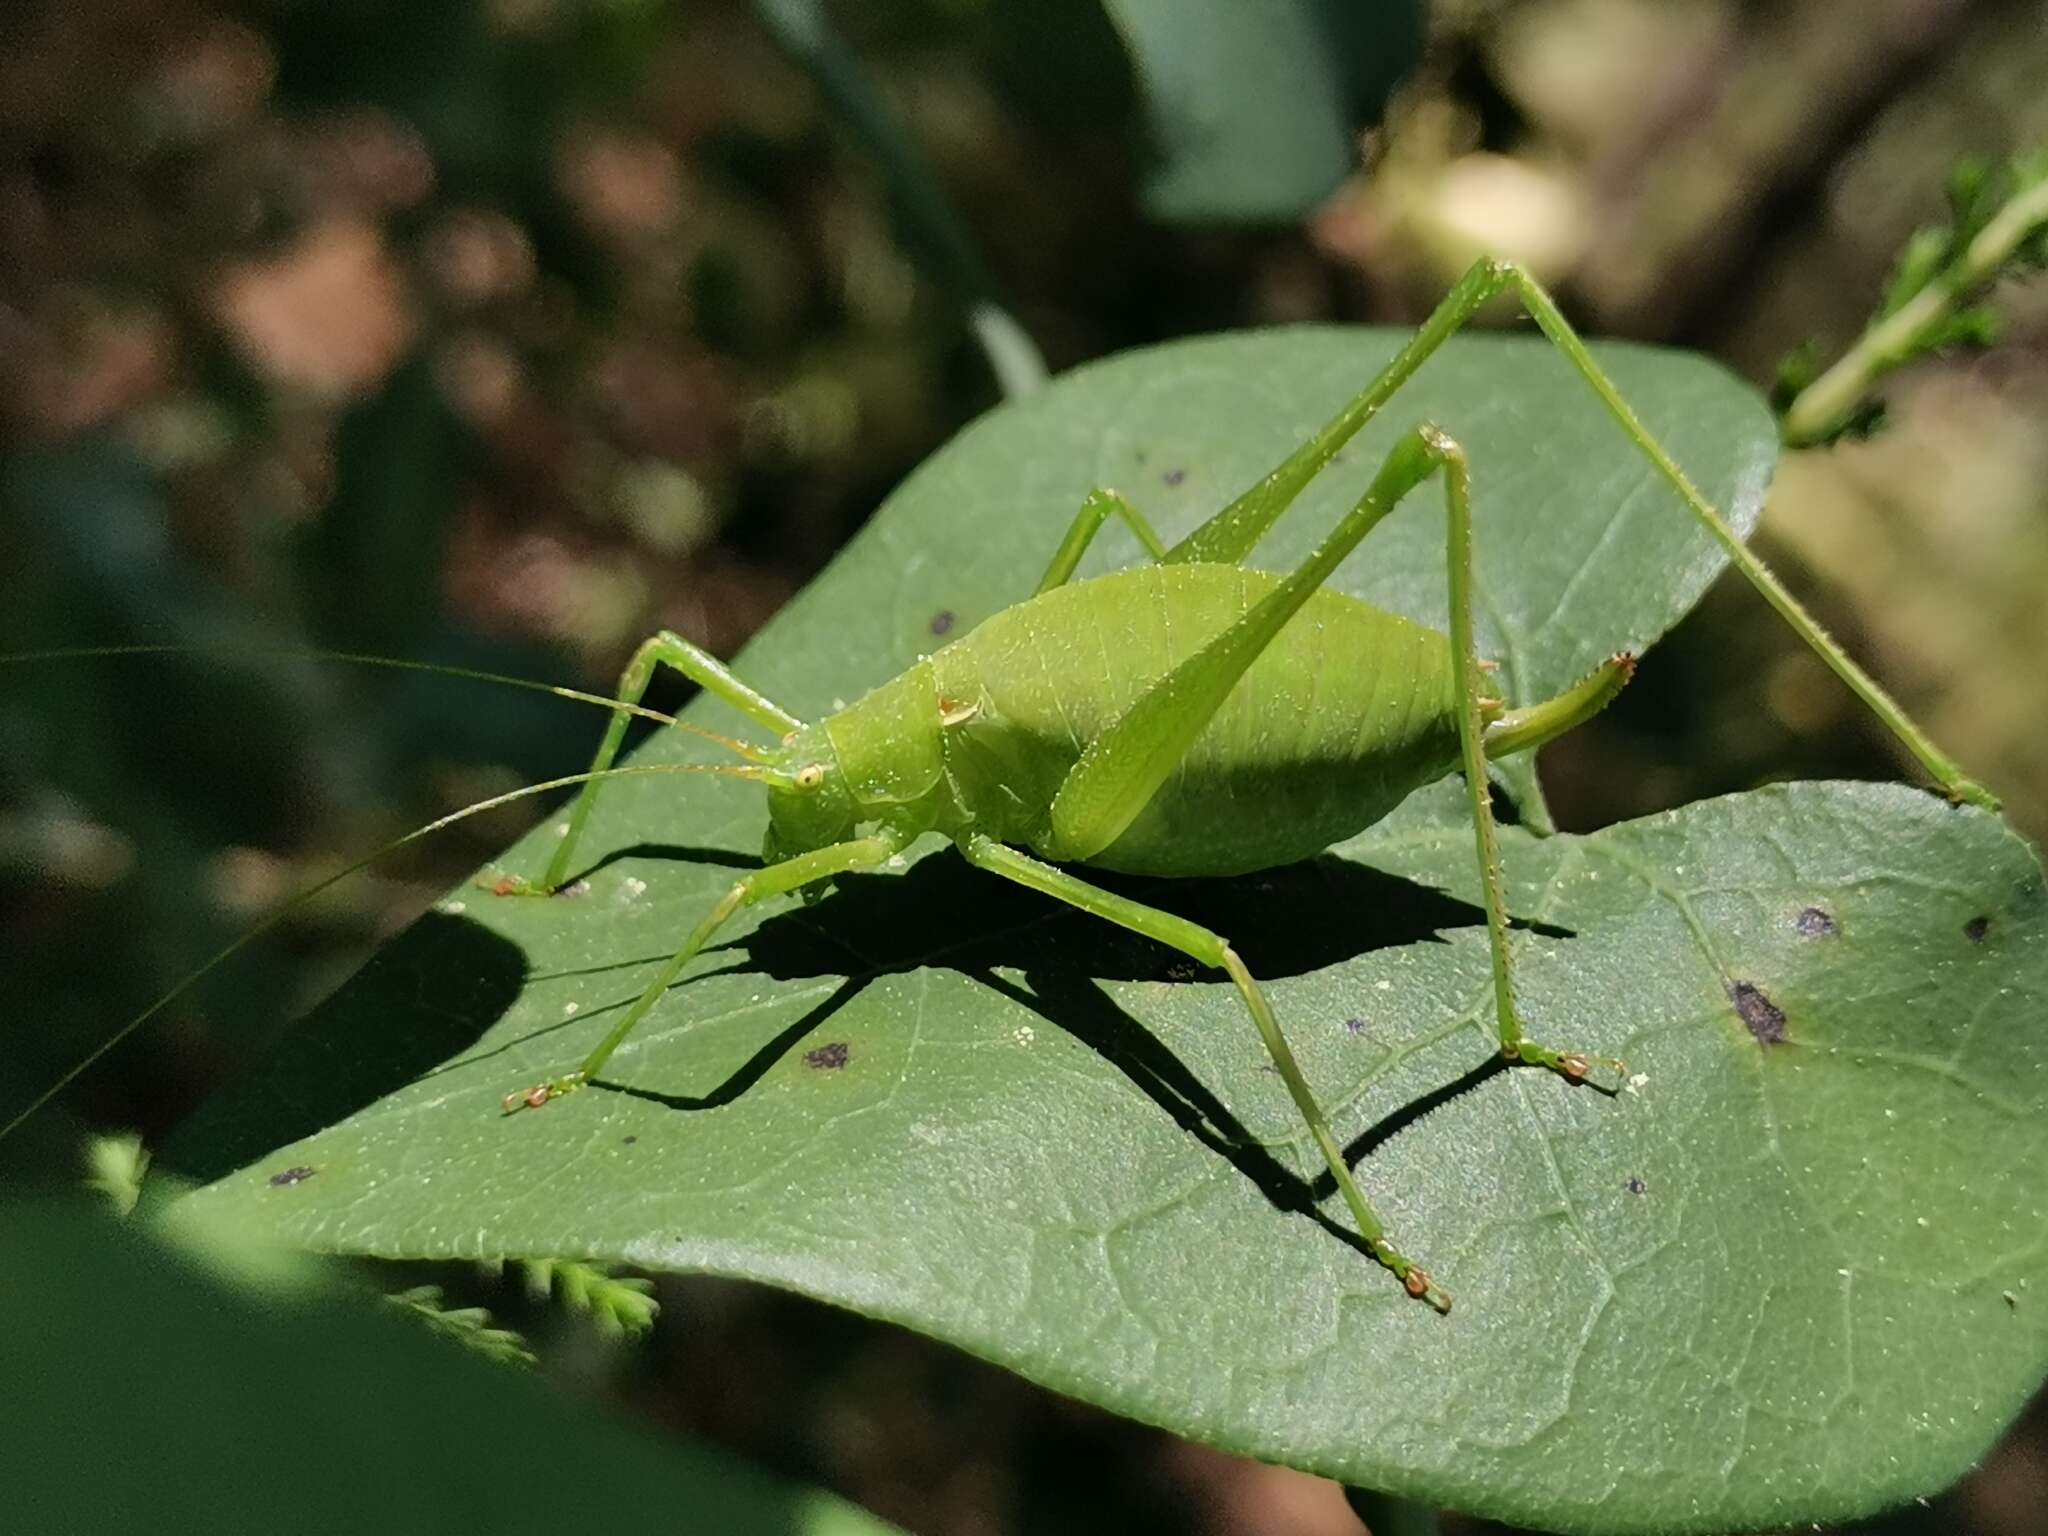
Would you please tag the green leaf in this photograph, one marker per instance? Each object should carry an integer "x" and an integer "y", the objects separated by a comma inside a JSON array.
[
  {"x": 1705, "y": 1305},
  {"x": 142, "y": 1394},
  {"x": 1252, "y": 110}
]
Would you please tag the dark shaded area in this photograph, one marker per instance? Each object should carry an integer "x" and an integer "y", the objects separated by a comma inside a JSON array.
[
  {"x": 458, "y": 978},
  {"x": 1283, "y": 922}
]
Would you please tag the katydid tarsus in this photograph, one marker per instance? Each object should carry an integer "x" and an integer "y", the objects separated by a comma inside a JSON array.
[{"x": 1159, "y": 721}]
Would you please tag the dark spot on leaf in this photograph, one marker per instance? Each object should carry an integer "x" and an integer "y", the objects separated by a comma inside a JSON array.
[
  {"x": 1766, "y": 1020},
  {"x": 291, "y": 1176},
  {"x": 1636, "y": 1186},
  {"x": 1174, "y": 476},
  {"x": 1814, "y": 923},
  {"x": 629, "y": 1140},
  {"x": 1976, "y": 929},
  {"x": 828, "y": 1058},
  {"x": 943, "y": 621},
  {"x": 1356, "y": 1026}
]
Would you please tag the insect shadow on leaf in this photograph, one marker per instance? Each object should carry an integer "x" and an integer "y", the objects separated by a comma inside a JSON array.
[
  {"x": 1296, "y": 920},
  {"x": 456, "y": 977}
]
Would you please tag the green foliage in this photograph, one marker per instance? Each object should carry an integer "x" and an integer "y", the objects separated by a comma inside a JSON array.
[
  {"x": 1997, "y": 228},
  {"x": 620, "y": 1306},
  {"x": 467, "y": 1326},
  {"x": 115, "y": 1168},
  {"x": 1777, "y": 1272},
  {"x": 146, "y": 1395},
  {"x": 1252, "y": 111}
]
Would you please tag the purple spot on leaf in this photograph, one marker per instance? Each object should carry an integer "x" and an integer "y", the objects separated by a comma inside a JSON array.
[{"x": 1814, "y": 923}]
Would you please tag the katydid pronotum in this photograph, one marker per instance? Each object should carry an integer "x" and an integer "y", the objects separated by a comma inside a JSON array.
[{"x": 1151, "y": 721}]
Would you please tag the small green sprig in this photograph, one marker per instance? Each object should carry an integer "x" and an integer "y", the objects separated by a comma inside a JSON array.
[
  {"x": 1998, "y": 227},
  {"x": 467, "y": 1326},
  {"x": 620, "y": 1306},
  {"x": 116, "y": 1166}
]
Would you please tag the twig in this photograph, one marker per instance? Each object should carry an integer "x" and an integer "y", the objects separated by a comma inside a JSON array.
[
  {"x": 1821, "y": 409},
  {"x": 928, "y": 220}
]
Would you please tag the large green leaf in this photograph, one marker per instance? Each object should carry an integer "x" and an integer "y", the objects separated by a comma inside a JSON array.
[
  {"x": 1252, "y": 111},
  {"x": 144, "y": 1395},
  {"x": 1710, "y": 1303}
]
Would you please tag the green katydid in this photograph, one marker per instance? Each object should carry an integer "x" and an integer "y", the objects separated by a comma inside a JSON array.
[{"x": 1153, "y": 721}]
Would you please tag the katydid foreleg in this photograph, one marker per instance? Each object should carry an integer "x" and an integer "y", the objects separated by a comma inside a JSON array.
[
  {"x": 702, "y": 668},
  {"x": 776, "y": 880}
]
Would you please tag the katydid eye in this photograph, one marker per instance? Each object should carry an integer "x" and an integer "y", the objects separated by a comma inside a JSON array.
[{"x": 810, "y": 776}]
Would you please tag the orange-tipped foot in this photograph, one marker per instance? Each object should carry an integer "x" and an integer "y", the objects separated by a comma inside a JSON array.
[
  {"x": 541, "y": 1094},
  {"x": 512, "y": 885},
  {"x": 1422, "y": 1288},
  {"x": 1602, "y": 1073},
  {"x": 1970, "y": 792}
]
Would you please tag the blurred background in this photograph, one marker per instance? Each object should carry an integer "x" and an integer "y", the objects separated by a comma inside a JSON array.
[{"x": 501, "y": 333}]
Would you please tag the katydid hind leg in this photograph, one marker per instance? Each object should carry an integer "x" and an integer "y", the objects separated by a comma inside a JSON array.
[
  {"x": 775, "y": 880},
  {"x": 1124, "y": 766},
  {"x": 1099, "y": 508},
  {"x": 659, "y": 650},
  {"x": 1210, "y": 948},
  {"x": 1515, "y": 1045},
  {"x": 1230, "y": 535}
]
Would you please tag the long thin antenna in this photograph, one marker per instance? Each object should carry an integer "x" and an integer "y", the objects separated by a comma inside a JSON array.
[
  {"x": 299, "y": 898},
  {"x": 747, "y": 750}
]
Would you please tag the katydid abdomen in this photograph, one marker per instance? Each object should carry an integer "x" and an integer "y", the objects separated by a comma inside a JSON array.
[{"x": 1338, "y": 720}]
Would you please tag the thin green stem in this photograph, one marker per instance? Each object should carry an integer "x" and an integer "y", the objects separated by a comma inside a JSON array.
[
  {"x": 1819, "y": 410},
  {"x": 928, "y": 220}
]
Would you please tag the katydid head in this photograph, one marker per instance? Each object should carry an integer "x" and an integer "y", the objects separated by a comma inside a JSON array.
[{"x": 808, "y": 804}]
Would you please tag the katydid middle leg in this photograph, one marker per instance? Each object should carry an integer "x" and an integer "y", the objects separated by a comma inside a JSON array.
[
  {"x": 1099, "y": 507},
  {"x": 1231, "y": 534},
  {"x": 1213, "y": 949}
]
